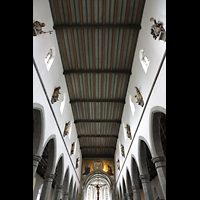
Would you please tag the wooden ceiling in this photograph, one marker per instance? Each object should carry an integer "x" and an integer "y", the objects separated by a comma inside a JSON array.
[{"x": 97, "y": 41}]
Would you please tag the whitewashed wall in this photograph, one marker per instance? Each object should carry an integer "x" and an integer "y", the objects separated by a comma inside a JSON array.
[
  {"x": 52, "y": 79},
  {"x": 154, "y": 50}
]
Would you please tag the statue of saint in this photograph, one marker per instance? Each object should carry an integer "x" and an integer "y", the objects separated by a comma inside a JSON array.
[
  {"x": 55, "y": 95},
  {"x": 139, "y": 97},
  {"x": 66, "y": 131},
  {"x": 156, "y": 28},
  {"x": 122, "y": 150},
  {"x": 72, "y": 149},
  {"x": 118, "y": 165},
  {"x": 128, "y": 131},
  {"x": 38, "y": 28}
]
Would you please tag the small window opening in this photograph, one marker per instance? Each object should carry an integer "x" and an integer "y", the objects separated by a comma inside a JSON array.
[
  {"x": 131, "y": 104},
  {"x": 50, "y": 58},
  {"x": 62, "y": 104},
  {"x": 144, "y": 60}
]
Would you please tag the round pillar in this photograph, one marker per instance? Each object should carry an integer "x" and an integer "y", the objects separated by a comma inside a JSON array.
[
  {"x": 36, "y": 160},
  {"x": 145, "y": 179},
  {"x": 136, "y": 192},
  {"x": 47, "y": 186},
  {"x": 160, "y": 166}
]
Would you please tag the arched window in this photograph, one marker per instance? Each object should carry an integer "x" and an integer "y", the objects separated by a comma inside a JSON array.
[
  {"x": 62, "y": 104},
  {"x": 144, "y": 60},
  {"x": 131, "y": 104},
  {"x": 50, "y": 58}
]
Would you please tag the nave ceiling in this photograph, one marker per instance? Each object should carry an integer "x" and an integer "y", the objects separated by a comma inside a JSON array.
[{"x": 97, "y": 41}]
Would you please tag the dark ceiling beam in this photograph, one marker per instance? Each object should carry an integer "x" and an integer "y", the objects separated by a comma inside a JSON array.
[
  {"x": 98, "y": 100},
  {"x": 98, "y": 121},
  {"x": 80, "y": 71},
  {"x": 98, "y": 26},
  {"x": 95, "y": 147},
  {"x": 81, "y": 136}
]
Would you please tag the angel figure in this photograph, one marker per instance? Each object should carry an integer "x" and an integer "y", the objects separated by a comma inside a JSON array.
[
  {"x": 37, "y": 26},
  {"x": 156, "y": 28},
  {"x": 55, "y": 95},
  {"x": 122, "y": 150},
  {"x": 127, "y": 127},
  {"x": 77, "y": 162},
  {"x": 72, "y": 148},
  {"x": 66, "y": 131},
  {"x": 139, "y": 97},
  {"x": 118, "y": 165}
]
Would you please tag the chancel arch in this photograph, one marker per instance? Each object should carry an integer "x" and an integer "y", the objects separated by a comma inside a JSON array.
[{"x": 100, "y": 178}]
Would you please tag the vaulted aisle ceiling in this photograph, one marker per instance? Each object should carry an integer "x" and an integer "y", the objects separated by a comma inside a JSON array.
[{"x": 97, "y": 41}]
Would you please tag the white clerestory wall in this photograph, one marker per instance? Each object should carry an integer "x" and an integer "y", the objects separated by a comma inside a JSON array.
[
  {"x": 52, "y": 77},
  {"x": 154, "y": 50}
]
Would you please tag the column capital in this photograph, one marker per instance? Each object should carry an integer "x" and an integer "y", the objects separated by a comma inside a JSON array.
[
  {"x": 158, "y": 159},
  {"x": 135, "y": 187},
  {"x": 37, "y": 158},
  {"x": 144, "y": 178},
  {"x": 65, "y": 194},
  {"x": 129, "y": 194},
  {"x": 59, "y": 187},
  {"x": 49, "y": 176}
]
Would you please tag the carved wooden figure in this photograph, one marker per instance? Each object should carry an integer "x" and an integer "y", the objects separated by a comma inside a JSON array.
[
  {"x": 122, "y": 150},
  {"x": 139, "y": 97},
  {"x": 157, "y": 28},
  {"x": 37, "y": 28},
  {"x": 128, "y": 131},
  {"x": 77, "y": 162},
  {"x": 118, "y": 165},
  {"x": 55, "y": 95},
  {"x": 72, "y": 148},
  {"x": 66, "y": 131}
]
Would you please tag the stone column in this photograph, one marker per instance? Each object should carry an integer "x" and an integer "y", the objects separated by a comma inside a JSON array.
[
  {"x": 160, "y": 165},
  {"x": 145, "y": 179},
  {"x": 129, "y": 196},
  {"x": 47, "y": 186},
  {"x": 124, "y": 197},
  {"x": 136, "y": 192},
  {"x": 65, "y": 196},
  {"x": 36, "y": 160},
  {"x": 57, "y": 192}
]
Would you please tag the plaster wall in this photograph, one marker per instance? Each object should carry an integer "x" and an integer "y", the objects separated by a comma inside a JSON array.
[
  {"x": 52, "y": 79},
  {"x": 154, "y": 50}
]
